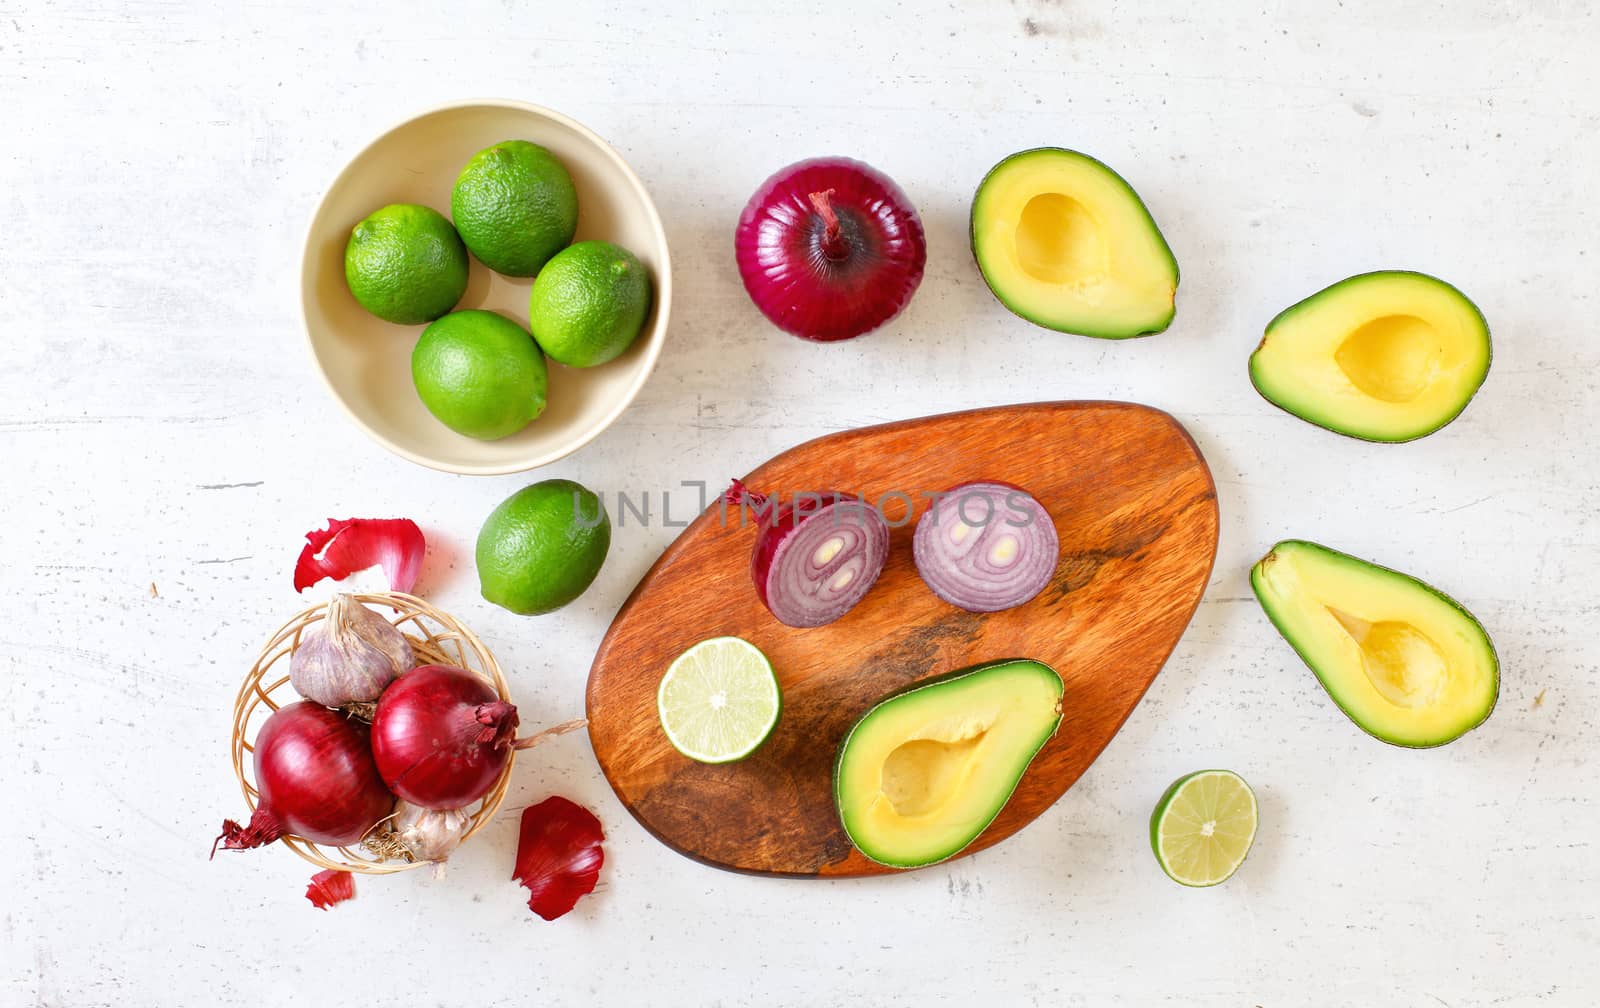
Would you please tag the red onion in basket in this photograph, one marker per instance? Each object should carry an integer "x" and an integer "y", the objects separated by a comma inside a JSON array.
[
  {"x": 317, "y": 780},
  {"x": 986, "y": 546},
  {"x": 830, "y": 248},
  {"x": 816, "y": 554},
  {"x": 442, "y": 736}
]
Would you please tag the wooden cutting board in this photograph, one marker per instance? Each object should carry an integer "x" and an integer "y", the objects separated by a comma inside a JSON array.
[{"x": 1136, "y": 511}]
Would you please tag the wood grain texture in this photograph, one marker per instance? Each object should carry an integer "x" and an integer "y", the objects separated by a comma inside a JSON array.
[{"x": 1136, "y": 512}]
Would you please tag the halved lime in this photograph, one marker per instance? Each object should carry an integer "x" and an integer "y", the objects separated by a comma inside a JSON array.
[
  {"x": 1203, "y": 826},
  {"x": 719, "y": 700}
]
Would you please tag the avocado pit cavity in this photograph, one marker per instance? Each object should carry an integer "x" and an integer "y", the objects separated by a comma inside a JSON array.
[
  {"x": 1394, "y": 358},
  {"x": 921, "y": 775},
  {"x": 1404, "y": 664},
  {"x": 1059, "y": 241}
]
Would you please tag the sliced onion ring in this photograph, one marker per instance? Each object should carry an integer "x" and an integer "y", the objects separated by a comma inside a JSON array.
[
  {"x": 984, "y": 547},
  {"x": 817, "y": 553}
]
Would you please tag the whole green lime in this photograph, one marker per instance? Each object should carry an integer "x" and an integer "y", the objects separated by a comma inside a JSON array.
[
  {"x": 480, "y": 374},
  {"x": 542, "y": 547},
  {"x": 515, "y": 207},
  {"x": 406, "y": 264},
  {"x": 589, "y": 303}
]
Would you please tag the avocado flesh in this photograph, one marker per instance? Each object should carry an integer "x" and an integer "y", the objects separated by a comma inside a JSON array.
[
  {"x": 923, "y": 772},
  {"x": 1405, "y": 662},
  {"x": 1388, "y": 356},
  {"x": 1065, "y": 243}
]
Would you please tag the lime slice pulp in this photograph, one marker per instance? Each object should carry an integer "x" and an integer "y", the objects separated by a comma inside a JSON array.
[
  {"x": 719, "y": 700},
  {"x": 1203, "y": 826}
]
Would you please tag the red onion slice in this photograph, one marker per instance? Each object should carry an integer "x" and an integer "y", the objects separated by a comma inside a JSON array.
[
  {"x": 817, "y": 554},
  {"x": 985, "y": 547}
]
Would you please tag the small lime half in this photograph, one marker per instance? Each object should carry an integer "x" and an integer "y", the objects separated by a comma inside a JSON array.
[
  {"x": 719, "y": 700},
  {"x": 1203, "y": 827}
]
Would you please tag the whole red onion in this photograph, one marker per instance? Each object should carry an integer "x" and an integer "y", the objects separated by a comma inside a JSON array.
[
  {"x": 441, "y": 736},
  {"x": 830, "y": 248},
  {"x": 317, "y": 779}
]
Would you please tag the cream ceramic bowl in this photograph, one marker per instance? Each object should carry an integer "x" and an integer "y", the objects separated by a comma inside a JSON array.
[{"x": 367, "y": 362}]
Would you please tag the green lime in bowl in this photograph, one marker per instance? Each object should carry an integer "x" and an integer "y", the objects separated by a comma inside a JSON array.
[
  {"x": 589, "y": 304},
  {"x": 515, "y": 206},
  {"x": 480, "y": 374},
  {"x": 406, "y": 264}
]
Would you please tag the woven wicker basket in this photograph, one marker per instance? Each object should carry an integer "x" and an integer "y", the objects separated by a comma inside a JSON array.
[{"x": 435, "y": 636}]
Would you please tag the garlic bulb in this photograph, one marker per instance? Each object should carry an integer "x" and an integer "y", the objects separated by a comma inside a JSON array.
[
  {"x": 430, "y": 834},
  {"x": 350, "y": 657}
]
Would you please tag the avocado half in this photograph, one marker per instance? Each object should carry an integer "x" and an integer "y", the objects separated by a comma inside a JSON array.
[
  {"x": 1403, "y": 660},
  {"x": 1386, "y": 356},
  {"x": 1065, "y": 243},
  {"x": 926, "y": 770}
]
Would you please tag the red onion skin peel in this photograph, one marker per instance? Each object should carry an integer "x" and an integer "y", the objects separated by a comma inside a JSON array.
[
  {"x": 317, "y": 780},
  {"x": 830, "y": 248},
  {"x": 816, "y": 554},
  {"x": 986, "y": 546},
  {"x": 330, "y": 888},
  {"x": 349, "y": 545},
  {"x": 559, "y": 855}
]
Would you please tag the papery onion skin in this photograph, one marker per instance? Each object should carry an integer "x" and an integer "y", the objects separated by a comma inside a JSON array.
[
  {"x": 559, "y": 855},
  {"x": 441, "y": 736},
  {"x": 793, "y": 587},
  {"x": 1001, "y": 560},
  {"x": 317, "y": 780},
  {"x": 331, "y": 887},
  {"x": 826, "y": 286},
  {"x": 350, "y": 545}
]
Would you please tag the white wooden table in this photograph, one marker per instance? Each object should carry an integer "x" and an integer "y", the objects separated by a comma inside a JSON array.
[{"x": 161, "y": 425}]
